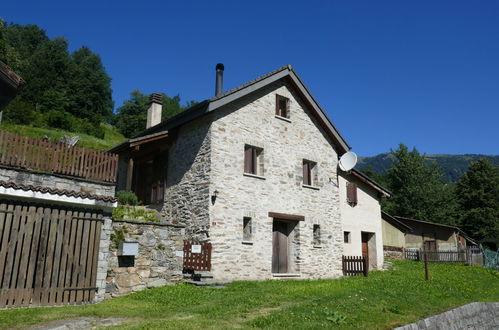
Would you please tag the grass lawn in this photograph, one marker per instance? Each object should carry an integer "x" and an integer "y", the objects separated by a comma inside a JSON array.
[
  {"x": 383, "y": 300},
  {"x": 111, "y": 136}
]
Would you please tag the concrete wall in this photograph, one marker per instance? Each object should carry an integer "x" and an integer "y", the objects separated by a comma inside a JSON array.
[
  {"x": 392, "y": 236},
  {"x": 279, "y": 188},
  {"x": 365, "y": 216},
  {"x": 28, "y": 177},
  {"x": 157, "y": 263}
]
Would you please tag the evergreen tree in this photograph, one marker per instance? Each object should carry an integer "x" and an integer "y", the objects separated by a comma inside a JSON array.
[
  {"x": 417, "y": 189},
  {"x": 478, "y": 195},
  {"x": 90, "y": 86},
  {"x": 71, "y": 92}
]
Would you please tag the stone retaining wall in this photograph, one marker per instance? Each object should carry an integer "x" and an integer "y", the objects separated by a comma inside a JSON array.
[
  {"x": 471, "y": 316},
  {"x": 393, "y": 252},
  {"x": 28, "y": 177},
  {"x": 158, "y": 263}
]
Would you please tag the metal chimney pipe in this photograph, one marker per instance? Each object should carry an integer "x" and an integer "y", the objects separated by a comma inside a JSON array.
[{"x": 219, "y": 80}]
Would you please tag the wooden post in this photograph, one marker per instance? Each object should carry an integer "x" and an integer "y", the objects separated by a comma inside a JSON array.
[
  {"x": 425, "y": 257},
  {"x": 366, "y": 266},
  {"x": 129, "y": 175}
]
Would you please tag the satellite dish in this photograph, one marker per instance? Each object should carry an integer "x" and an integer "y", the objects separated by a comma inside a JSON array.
[{"x": 348, "y": 161}]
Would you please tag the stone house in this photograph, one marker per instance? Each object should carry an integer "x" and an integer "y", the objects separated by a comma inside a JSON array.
[
  {"x": 360, "y": 210},
  {"x": 253, "y": 171}
]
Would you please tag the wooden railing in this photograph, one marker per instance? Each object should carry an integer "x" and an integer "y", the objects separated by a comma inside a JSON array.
[{"x": 57, "y": 158}]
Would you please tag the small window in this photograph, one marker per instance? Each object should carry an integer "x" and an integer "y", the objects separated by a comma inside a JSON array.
[
  {"x": 247, "y": 229},
  {"x": 282, "y": 106},
  {"x": 309, "y": 173},
  {"x": 346, "y": 237},
  {"x": 253, "y": 160},
  {"x": 317, "y": 235}
]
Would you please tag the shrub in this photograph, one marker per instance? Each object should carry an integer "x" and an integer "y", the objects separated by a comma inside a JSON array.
[{"x": 126, "y": 197}]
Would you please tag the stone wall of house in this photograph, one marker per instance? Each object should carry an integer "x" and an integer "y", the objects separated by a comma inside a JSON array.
[
  {"x": 365, "y": 216},
  {"x": 187, "y": 195},
  {"x": 286, "y": 142},
  {"x": 28, "y": 177},
  {"x": 103, "y": 259},
  {"x": 159, "y": 261},
  {"x": 393, "y": 252}
]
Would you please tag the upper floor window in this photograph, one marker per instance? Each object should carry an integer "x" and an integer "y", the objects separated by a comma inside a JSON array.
[
  {"x": 253, "y": 160},
  {"x": 309, "y": 173},
  {"x": 282, "y": 106},
  {"x": 352, "y": 193}
]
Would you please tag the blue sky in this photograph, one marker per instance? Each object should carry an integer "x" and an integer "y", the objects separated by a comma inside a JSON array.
[{"x": 424, "y": 73}]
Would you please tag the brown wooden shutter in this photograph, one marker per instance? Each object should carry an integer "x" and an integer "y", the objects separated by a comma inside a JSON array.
[
  {"x": 306, "y": 173},
  {"x": 277, "y": 110},
  {"x": 253, "y": 161},
  {"x": 352, "y": 192},
  {"x": 247, "y": 159}
]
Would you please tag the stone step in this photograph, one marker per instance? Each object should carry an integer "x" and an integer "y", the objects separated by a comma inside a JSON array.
[
  {"x": 208, "y": 283},
  {"x": 203, "y": 275}
]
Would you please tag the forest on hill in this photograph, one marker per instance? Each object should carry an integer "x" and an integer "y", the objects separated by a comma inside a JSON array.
[
  {"x": 452, "y": 166},
  {"x": 419, "y": 190},
  {"x": 70, "y": 91}
]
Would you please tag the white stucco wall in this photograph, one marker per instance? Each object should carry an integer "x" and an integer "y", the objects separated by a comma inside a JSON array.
[
  {"x": 363, "y": 217},
  {"x": 285, "y": 144}
]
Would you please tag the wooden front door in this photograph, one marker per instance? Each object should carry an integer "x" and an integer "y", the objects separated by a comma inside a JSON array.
[
  {"x": 430, "y": 246},
  {"x": 280, "y": 233},
  {"x": 365, "y": 245}
]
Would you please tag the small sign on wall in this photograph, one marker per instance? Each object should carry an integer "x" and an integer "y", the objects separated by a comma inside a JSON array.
[
  {"x": 196, "y": 249},
  {"x": 179, "y": 253}
]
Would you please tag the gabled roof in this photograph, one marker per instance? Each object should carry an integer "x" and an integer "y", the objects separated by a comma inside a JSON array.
[
  {"x": 457, "y": 229},
  {"x": 426, "y": 222},
  {"x": 216, "y": 102},
  {"x": 394, "y": 222}
]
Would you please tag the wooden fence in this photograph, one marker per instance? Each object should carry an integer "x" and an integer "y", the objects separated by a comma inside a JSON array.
[
  {"x": 53, "y": 157},
  {"x": 194, "y": 260},
  {"x": 353, "y": 265},
  {"x": 48, "y": 255},
  {"x": 463, "y": 256}
]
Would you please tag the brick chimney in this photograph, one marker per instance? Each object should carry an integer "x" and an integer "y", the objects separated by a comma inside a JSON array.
[{"x": 154, "y": 111}]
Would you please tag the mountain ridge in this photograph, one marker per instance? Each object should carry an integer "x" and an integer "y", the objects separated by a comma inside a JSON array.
[{"x": 453, "y": 166}]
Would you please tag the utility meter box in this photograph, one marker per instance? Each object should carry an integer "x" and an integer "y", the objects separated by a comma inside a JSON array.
[{"x": 128, "y": 249}]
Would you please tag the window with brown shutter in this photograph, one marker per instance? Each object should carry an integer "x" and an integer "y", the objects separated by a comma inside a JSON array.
[
  {"x": 281, "y": 106},
  {"x": 309, "y": 173},
  {"x": 352, "y": 193},
  {"x": 252, "y": 159}
]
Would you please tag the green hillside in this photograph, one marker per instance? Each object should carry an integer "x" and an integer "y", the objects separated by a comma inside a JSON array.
[
  {"x": 111, "y": 136},
  {"x": 453, "y": 166}
]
